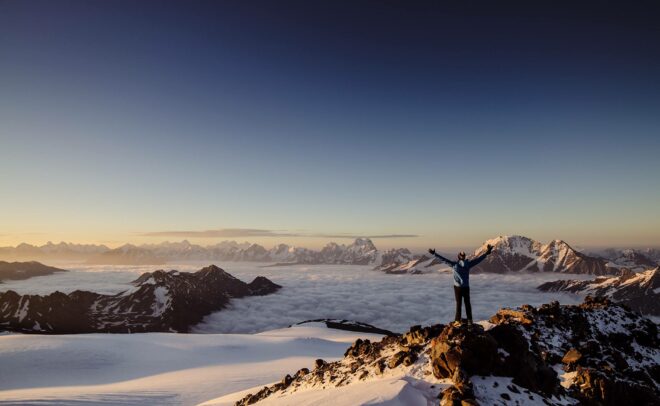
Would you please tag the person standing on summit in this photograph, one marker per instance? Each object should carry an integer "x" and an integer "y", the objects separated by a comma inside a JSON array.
[{"x": 462, "y": 279}]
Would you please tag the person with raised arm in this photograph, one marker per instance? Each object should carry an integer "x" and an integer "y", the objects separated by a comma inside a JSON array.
[{"x": 461, "y": 271}]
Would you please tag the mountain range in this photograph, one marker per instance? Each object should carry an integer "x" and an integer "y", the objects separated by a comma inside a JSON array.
[
  {"x": 523, "y": 254},
  {"x": 511, "y": 254}
]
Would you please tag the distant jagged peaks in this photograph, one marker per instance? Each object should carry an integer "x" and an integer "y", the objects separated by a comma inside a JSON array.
[
  {"x": 62, "y": 250},
  {"x": 512, "y": 254},
  {"x": 361, "y": 252},
  {"x": 517, "y": 253}
]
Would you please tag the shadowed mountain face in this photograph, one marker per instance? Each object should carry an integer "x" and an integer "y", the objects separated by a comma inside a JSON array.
[
  {"x": 160, "y": 301},
  {"x": 639, "y": 291},
  {"x": 25, "y": 270}
]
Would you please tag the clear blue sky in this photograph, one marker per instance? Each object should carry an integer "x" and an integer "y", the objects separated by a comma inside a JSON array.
[{"x": 302, "y": 121}]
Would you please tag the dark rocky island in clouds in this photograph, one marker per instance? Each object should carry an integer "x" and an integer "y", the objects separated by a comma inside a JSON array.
[
  {"x": 25, "y": 270},
  {"x": 160, "y": 301}
]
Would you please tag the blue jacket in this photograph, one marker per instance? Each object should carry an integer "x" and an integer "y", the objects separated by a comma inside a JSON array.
[{"x": 462, "y": 268}]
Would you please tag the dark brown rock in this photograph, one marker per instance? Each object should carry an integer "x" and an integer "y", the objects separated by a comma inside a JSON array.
[{"x": 469, "y": 348}]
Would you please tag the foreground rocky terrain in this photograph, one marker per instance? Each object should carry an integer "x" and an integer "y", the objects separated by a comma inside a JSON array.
[
  {"x": 595, "y": 353},
  {"x": 639, "y": 291},
  {"x": 159, "y": 301},
  {"x": 25, "y": 270}
]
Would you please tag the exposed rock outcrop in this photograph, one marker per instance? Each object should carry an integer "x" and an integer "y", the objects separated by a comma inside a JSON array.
[
  {"x": 595, "y": 353},
  {"x": 160, "y": 301}
]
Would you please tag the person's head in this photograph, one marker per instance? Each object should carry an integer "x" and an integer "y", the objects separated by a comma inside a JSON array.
[{"x": 461, "y": 256}]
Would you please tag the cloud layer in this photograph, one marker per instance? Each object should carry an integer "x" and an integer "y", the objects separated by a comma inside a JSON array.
[{"x": 394, "y": 302}]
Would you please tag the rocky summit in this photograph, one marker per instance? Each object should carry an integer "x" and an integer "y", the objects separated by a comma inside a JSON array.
[
  {"x": 159, "y": 301},
  {"x": 595, "y": 353}
]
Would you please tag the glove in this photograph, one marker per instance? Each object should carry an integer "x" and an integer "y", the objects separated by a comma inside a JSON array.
[
  {"x": 431, "y": 251},
  {"x": 489, "y": 249}
]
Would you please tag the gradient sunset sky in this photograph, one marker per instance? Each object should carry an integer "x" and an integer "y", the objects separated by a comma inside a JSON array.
[{"x": 303, "y": 122}]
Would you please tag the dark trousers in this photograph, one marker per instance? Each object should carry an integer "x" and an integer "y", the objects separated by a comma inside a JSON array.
[{"x": 462, "y": 294}]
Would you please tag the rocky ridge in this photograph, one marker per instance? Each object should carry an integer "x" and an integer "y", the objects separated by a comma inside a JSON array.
[
  {"x": 595, "y": 353},
  {"x": 160, "y": 301},
  {"x": 639, "y": 291}
]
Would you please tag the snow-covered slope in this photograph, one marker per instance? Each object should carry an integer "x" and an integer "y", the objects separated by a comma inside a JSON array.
[
  {"x": 156, "y": 368},
  {"x": 639, "y": 291}
]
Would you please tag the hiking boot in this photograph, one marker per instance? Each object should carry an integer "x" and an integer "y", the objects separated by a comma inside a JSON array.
[{"x": 469, "y": 323}]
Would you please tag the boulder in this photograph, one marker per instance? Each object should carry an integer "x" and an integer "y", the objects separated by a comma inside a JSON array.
[
  {"x": 469, "y": 348},
  {"x": 527, "y": 368},
  {"x": 508, "y": 315}
]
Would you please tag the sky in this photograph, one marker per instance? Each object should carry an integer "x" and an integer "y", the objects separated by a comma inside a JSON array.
[{"x": 416, "y": 124}]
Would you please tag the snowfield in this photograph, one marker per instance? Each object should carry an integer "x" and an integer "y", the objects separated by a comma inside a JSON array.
[
  {"x": 157, "y": 368},
  {"x": 397, "y": 391}
]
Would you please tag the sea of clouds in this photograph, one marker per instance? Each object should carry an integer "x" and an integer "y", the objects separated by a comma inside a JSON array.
[{"x": 393, "y": 302}]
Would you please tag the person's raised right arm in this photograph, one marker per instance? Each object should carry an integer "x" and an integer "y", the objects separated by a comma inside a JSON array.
[{"x": 441, "y": 258}]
